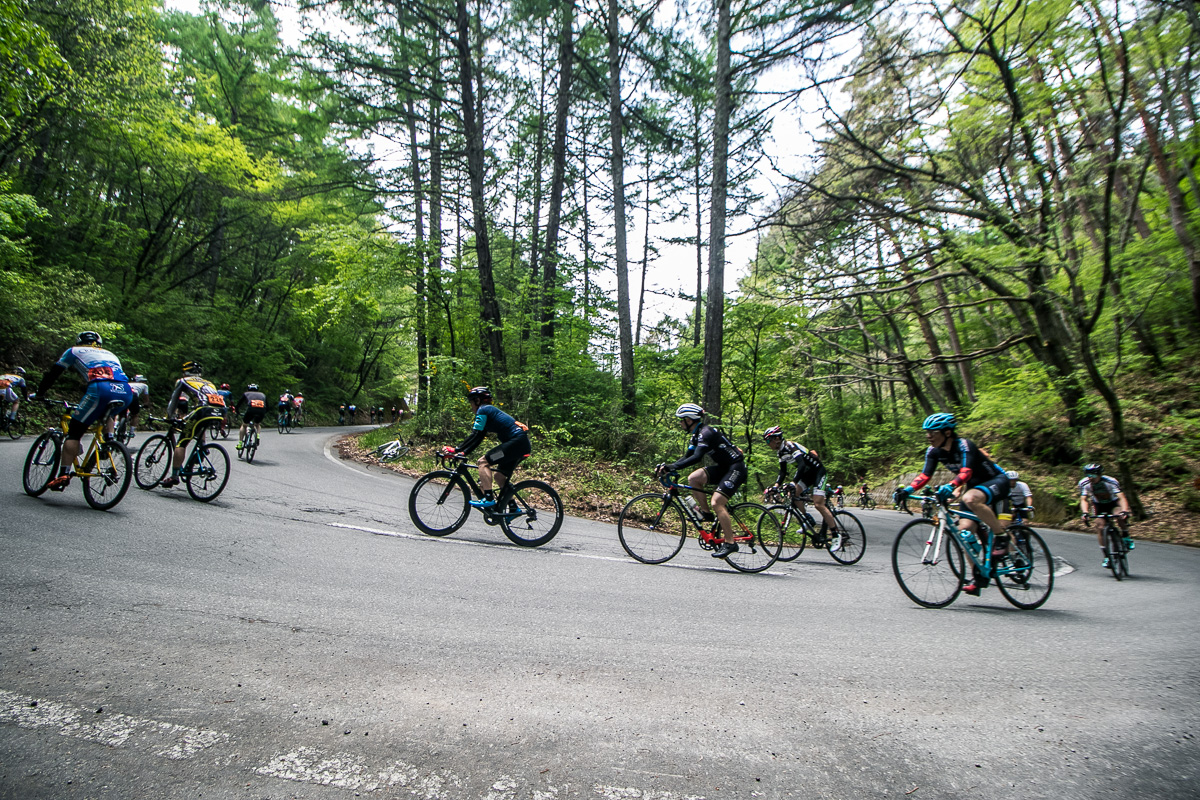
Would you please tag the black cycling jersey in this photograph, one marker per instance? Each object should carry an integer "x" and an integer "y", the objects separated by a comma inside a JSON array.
[
  {"x": 489, "y": 419},
  {"x": 970, "y": 465},
  {"x": 707, "y": 440},
  {"x": 809, "y": 469},
  {"x": 252, "y": 401}
]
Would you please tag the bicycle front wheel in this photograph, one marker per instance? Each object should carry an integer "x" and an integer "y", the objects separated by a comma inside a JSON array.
[
  {"x": 652, "y": 528},
  {"x": 533, "y": 515},
  {"x": 931, "y": 577},
  {"x": 109, "y": 474},
  {"x": 208, "y": 472},
  {"x": 1026, "y": 576},
  {"x": 1113, "y": 539},
  {"x": 40, "y": 464},
  {"x": 793, "y": 531},
  {"x": 153, "y": 461},
  {"x": 758, "y": 535},
  {"x": 849, "y": 541},
  {"x": 437, "y": 503}
]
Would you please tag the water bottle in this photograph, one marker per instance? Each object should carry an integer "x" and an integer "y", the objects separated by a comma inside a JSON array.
[
  {"x": 692, "y": 506},
  {"x": 970, "y": 541}
]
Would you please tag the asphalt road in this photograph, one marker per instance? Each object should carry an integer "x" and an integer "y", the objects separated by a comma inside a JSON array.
[{"x": 299, "y": 638}]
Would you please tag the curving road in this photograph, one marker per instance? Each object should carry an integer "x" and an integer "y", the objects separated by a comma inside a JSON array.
[{"x": 298, "y": 638}]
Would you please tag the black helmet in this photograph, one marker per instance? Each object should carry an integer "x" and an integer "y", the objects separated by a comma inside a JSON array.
[
  {"x": 88, "y": 338},
  {"x": 480, "y": 393},
  {"x": 192, "y": 368},
  {"x": 1092, "y": 469}
]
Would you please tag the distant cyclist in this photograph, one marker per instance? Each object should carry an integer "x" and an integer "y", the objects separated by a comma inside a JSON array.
[
  {"x": 255, "y": 404},
  {"x": 298, "y": 405},
  {"x": 977, "y": 481},
  {"x": 810, "y": 472},
  {"x": 13, "y": 384},
  {"x": 497, "y": 465},
  {"x": 352, "y": 409},
  {"x": 202, "y": 396},
  {"x": 342, "y": 414},
  {"x": 284, "y": 408},
  {"x": 142, "y": 390},
  {"x": 106, "y": 384},
  {"x": 728, "y": 474},
  {"x": 1020, "y": 496},
  {"x": 1101, "y": 494}
]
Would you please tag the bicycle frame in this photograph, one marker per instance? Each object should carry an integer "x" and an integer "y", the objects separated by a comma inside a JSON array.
[
  {"x": 463, "y": 467},
  {"x": 712, "y": 537},
  {"x": 970, "y": 541},
  {"x": 189, "y": 454}
]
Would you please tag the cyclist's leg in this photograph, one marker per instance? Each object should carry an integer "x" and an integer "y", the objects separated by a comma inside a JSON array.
[
  {"x": 823, "y": 508},
  {"x": 727, "y": 487},
  {"x": 698, "y": 479}
]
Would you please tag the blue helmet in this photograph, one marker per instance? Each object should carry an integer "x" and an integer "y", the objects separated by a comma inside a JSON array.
[{"x": 939, "y": 422}]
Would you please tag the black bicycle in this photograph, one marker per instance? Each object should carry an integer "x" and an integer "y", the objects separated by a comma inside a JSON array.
[
  {"x": 249, "y": 443},
  {"x": 15, "y": 428},
  {"x": 866, "y": 501},
  {"x": 529, "y": 512},
  {"x": 205, "y": 464},
  {"x": 846, "y": 544},
  {"x": 284, "y": 421},
  {"x": 1118, "y": 552}
]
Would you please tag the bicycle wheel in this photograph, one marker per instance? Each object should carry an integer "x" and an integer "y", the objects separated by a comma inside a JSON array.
[
  {"x": 207, "y": 472},
  {"x": 1113, "y": 538},
  {"x": 153, "y": 461},
  {"x": 534, "y": 514},
  {"x": 16, "y": 427},
  {"x": 280, "y": 422},
  {"x": 111, "y": 467},
  {"x": 793, "y": 531},
  {"x": 652, "y": 528},
  {"x": 758, "y": 535},
  {"x": 437, "y": 503},
  {"x": 930, "y": 579},
  {"x": 853, "y": 539},
  {"x": 252, "y": 446},
  {"x": 41, "y": 463},
  {"x": 1028, "y": 570}
]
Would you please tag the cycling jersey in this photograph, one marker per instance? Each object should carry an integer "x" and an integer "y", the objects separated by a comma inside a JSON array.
[
  {"x": 10, "y": 385},
  {"x": 285, "y": 400},
  {"x": 1104, "y": 490},
  {"x": 141, "y": 390},
  {"x": 256, "y": 406},
  {"x": 107, "y": 383},
  {"x": 1021, "y": 494},
  {"x": 227, "y": 396},
  {"x": 489, "y": 419},
  {"x": 809, "y": 469},
  {"x": 973, "y": 467},
  {"x": 93, "y": 364},
  {"x": 194, "y": 388},
  {"x": 708, "y": 441}
]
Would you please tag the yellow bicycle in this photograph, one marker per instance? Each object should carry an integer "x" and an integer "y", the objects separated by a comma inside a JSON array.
[{"x": 105, "y": 466}]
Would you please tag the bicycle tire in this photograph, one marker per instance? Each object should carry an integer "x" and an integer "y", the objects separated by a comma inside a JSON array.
[
  {"x": 252, "y": 447},
  {"x": 153, "y": 461},
  {"x": 207, "y": 472},
  {"x": 932, "y": 583},
  {"x": 108, "y": 488},
  {"x": 795, "y": 532},
  {"x": 765, "y": 538},
  {"x": 279, "y": 423},
  {"x": 854, "y": 539},
  {"x": 16, "y": 428},
  {"x": 41, "y": 463},
  {"x": 1030, "y": 587},
  {"x": 541, "y": 514},
  {"x": 652, "y": 528},
  {"x": 1113, "y": 538},
  {"x": 438, "y": 501}
]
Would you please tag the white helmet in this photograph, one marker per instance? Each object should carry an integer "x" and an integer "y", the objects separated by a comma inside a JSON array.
[
  {"x": 1012, "y": 474},
  {"x": 689, "y": 411}
]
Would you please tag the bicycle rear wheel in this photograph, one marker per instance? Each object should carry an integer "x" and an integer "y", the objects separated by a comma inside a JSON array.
[
  {"x": 111, "y": 467},
  {"x": 1028, "y": 569},
  {"x": 251, "y": 447},
  {"x": 652, "y": 528},
  {"x": 793, "y": 531},
  {"x": 207, "y": 472},
  {"x": 930, "y": 578},
  {"x": 16, "y": 427},
  {"x": 853, "y": 541},
  {"x": 1112, "y": 537},
  {"x": 437, "y": 503},
  {"x": 153, "y": 461},
  {"x": 40, "y": 463},
  {"x": 539, "y": 514},
  {"x": 758, "y": 535}
]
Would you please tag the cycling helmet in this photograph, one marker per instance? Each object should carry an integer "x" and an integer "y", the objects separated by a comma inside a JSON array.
[
  {"x": 225, "y": 387},
  {"x": 251, "y": 387},
  {"x": 139, "y": 378},
  {"x": 771, "y": 433},
  {"x": 480, "y": 393},
  {"x": 88, "y": 338},
  {"x": 1012, "y": 474},
  {"x": 689, "y": 411},
  {"x": 192, "y": 368},
  {"x": 19, "y": 370},
  {"x": 939, "y": 422},
  {"x": 1092, "y": 469}
]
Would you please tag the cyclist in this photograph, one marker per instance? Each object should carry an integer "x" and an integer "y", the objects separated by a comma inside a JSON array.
[
  {"x": 142, "y": 391},
  {"x": 192, "y": 389},
  {"x": 10, "y": 384},
  {"x": 1101, "y": 494},
  {"x": 256, "y": 410},
  {"x": 810, "y": 472},
  {"x": 352, "y": 409},
  {"x": 729, "y": 473},
  {"x": 497, "y": 465},
  {"x": 298, "y": 404},
  {"x": 342, "y": 414},
  {"x": 900, "y": 501},
  {"x": 106, "y": 383},
  {"x": 395, "y": 414},
  {"x": 840, "y": 495},
  {"x": 863, "y": 491},
  {"x": 226, "y": 395},
  {"x": 285, "y": 405},
  {"x": 978, "y": 482},
  {"x": 1020, "y": 496}
]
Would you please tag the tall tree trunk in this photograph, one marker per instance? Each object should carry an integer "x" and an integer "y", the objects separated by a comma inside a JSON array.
[
  {"x": 714, "y": 323},
  {"x": 616, "y": 124},
  {"x": 637, "y": 330},
  {"x": 419, "y": 224}
]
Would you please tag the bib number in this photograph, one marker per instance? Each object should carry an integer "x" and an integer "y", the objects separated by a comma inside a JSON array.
[{"x": 100, "y": 374}]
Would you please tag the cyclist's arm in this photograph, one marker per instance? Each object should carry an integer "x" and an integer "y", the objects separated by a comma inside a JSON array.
[
  {"x": 472, "y": 441},
  {"x": 694, "y": 456},
  {"x": 48, "y": 380},
  {"x": 927, "y": 471}
]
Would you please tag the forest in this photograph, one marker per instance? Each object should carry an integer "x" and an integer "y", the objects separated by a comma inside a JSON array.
[{"x": 992, "y": 207}]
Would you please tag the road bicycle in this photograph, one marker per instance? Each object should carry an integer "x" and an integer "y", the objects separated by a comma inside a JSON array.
[
  {"x": 930, "y": 560},
  {"x": 104, "y": 466},
  {"x": 284, "y": 422},
  {"x": 529, "y": 512},
  {"x": 390, "y": 451},
  {"x": 866, "y": 501},
  {"x": 839, "y": 500},
  {"x": 846, "y": 544},
  {"x": 15, "y": 428},
  {"x": 298, "y": 417},
  {"x": 205, "y": 464},
  {"x": 653, "y": 527},
  {"x": 1118, "y": 551},
  {"x": 249, "y": 442}
]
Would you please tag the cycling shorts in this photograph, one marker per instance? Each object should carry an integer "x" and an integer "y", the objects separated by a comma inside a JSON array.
[
  {"x": 95, "y": 403},
  {"x": 195, "y": 422},
  {"x": 802, "y": 487},
  {"x": 730, "y": 481},
  {"x": 7, "y": 395},
  {"x": 996, "y": 490},
  {"x": 254, "y": 415},
  {"x": 505, "y": 458},
  {"x": 1105, "y": 508}
]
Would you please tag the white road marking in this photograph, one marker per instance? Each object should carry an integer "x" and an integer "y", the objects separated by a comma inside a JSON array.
[
  {"x": 307, "y": 765},
  {"x": 328, "y": 450},
  {"x": 629, "y": 793},
  {"x": 111, "y": 730}
]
